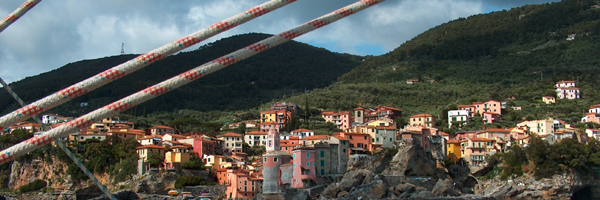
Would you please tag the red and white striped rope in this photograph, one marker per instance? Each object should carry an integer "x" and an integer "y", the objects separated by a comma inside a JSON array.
[
  {"x": 8, "y": 20},
  {"x": 178, "y": 81},
  {"x": 139, "y": 62}
]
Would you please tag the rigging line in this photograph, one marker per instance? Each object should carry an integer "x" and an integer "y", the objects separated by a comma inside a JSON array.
[
  {"x": 63, "y": 147},
  {"x": 12, "y": 17},
  {"x": 179, "y": 80},
  {"x": 16, "y": 97},
  {"x": 137, "y": 63}
]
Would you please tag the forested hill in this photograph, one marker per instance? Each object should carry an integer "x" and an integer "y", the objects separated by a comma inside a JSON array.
[
  {"x": 290, "y": 68},
  {"x": 517, "y": 53}
]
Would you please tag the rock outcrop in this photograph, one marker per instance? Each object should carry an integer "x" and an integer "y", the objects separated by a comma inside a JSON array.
[
  {"x": 526, "y": 187},
  {"x": 412, "y": 160}
]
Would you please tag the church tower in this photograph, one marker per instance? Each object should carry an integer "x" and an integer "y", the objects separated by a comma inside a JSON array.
[{"x": 273, "y": 140}]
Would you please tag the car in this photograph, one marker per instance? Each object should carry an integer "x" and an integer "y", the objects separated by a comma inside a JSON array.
[{"x": 205, "y": 196}]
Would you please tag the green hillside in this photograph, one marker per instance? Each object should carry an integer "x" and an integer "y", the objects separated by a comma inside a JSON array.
[
  {"x": 284, "y": 70},
  {"x": 518, "y": 53}
]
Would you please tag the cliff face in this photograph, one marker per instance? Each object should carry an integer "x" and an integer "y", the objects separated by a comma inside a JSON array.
[{"x": 53, "y": 171}]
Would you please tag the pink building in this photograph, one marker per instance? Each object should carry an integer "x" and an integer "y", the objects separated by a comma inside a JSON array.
[
  {"x": 241, "y": 185},
  {"x": 474, "y": 150},
  {"x": 567, "y": 90},
  {"x": 591, "y": 117},
  {"x": 568, "y": 93},
  {"x": 469, "y": 108},
  {"x": 489, "y": 117},
  {"x": 340, "y": 119},
  {"x": 203, "y": 146},
  {"x": 304, "y": 167},
  {"x": 491, "y": 106},
  {"x": 265, "y": 126},
  {"x": 385, "y": 113}
]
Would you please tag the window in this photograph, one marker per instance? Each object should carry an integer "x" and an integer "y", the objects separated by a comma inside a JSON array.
[
  {"x": 322, "y": 163},
  {"x": 308, "y": 164},
  {"x": 322, "y": 172},
  {"x": 274, "y": 159},
  {"x": 308, "y": 155},
  {"x": 390, "y": 139},
  {"x": 294, "y": 155},
  {"x": 322, "y": 154}
]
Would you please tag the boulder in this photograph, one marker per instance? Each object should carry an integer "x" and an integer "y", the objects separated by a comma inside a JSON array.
[
  {"x": 301, "y": 195},
  {"x": 355, "y": 178},
  {"x": 342, "y": 194},
  {"x": 443, "y": 188},
  {"x": 423, "y": 194},
  {"x": 374, "y": 190},
  {"x": 331, "y": 191}
]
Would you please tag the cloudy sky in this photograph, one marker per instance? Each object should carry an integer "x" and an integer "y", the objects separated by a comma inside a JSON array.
[{"x": 55, "y": 33}]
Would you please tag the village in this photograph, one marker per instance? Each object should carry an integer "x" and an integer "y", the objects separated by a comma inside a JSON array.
[{"x": 303, "y": 159}]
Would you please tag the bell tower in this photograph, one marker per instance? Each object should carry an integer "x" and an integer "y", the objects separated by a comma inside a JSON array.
[{"x": 273, "y": 140}]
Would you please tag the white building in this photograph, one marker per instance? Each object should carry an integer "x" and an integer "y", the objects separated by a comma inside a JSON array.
[
  {"x": 302, "y": 133},
  {"x": 595, "y": 109},
  {"x": 233, "y": 142},
  {"x": 458, "y": 116},
  {"x": 256, "y": 138}
]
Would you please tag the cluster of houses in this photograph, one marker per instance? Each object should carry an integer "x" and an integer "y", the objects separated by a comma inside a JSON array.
[{"x": 301, "y": 159}]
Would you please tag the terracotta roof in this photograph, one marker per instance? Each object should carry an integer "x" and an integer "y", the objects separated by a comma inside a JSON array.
[
  {"x": 453, "y": 142},
  {"x": 565, "y": 82},
  {"x": 207, "y": 141},
  {"x": 230, "y": 134},
  {"x": 481, "y": 139},
  {"x": 150, "y": 146},
  {"x": 390, "y": 108},
  {"x": 31, "y": 124},
  {"x": 497, "y": 130},
  {"x": 569, "y": 88},
  {"x": 335, "y": 113},
  {"x": 340, "y": 137},
  {"x": 547, "y": 97},
  {"x": 301, "y": 130},
  {"x": 421, "y": 115},
  {"x": 595, "y": 106},
  {"x": 443, "y": 133},
  {"x": 256, "y": 133},
  {"x": 294, "y": 137},
  {"x": 316, "y": 137},
  {"x": 269, "y": 123},
  {"x": 269, "y": 111},
  {"x": 288, "y": 145},
  {"x": 385, "y": 127},
  {"x": 179, "y": 147},
  {"x": 161, "y": 127}
]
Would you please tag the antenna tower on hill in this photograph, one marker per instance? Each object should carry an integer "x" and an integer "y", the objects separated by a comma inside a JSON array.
[{"x": 122, "y": 48}]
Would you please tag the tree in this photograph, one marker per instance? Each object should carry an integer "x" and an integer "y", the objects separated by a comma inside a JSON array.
[{"x": 400, "y": 122}]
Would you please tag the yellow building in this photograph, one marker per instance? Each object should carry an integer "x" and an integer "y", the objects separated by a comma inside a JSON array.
[
  {"x": 454, "y": 152},
  {"x": 216, "y": 162},
  {"x": 144, "y": 151},
  {"x": 179, "y": 155},
  {"x": 268, "y": 116}
]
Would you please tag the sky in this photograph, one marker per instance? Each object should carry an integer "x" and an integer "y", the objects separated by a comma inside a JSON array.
[{"x": 55, "y": 33}]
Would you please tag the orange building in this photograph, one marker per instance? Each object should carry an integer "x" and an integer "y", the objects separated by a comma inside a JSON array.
[{"x": 422, "y": 120}]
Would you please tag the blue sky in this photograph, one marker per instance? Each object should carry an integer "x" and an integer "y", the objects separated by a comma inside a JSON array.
[{"x": 55, "y": 33}]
